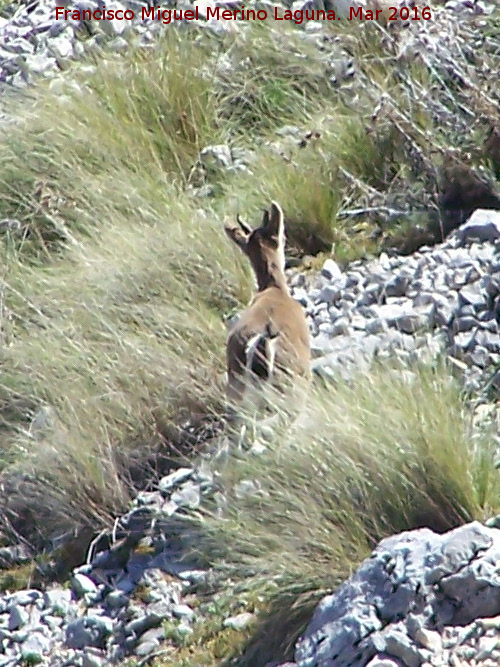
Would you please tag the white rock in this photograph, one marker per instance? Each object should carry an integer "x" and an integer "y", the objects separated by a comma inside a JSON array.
[
  {"x": 483, "y": 225},
  {"x": 82, "y": 585},
  {"x": 331, "y": 270},
  {"x": 239, "y": 622}
]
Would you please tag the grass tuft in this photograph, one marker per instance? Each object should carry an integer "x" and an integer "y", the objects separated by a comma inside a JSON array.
[
  {"x": 390, "y": 452},
  {"x": 113, "y": 285},
  {"x": 127, "y": 128},
  {"x": 268, "y": 76}
]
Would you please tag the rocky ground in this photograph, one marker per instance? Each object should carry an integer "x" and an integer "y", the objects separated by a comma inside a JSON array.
[
  {"x": 440, "y": 298},
  {"x": 421, "y": 599},
  {"x": 99, "y": 620}
]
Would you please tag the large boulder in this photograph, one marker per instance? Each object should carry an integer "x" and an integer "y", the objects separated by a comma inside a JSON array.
[{"x": 412, "y": 585}]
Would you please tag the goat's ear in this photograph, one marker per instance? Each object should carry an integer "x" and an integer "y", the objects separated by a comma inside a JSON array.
[
  {"x": 275, "y": 224},
  {"x": 265, "y": 219},
  {"x": 237, "y": 236}
]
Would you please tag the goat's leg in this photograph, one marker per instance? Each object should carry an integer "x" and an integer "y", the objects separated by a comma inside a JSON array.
[{"x": 234, "y": 400}]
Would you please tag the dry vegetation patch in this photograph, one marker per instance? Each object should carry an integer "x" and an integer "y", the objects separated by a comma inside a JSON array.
[
  {"x": 115, "y": 280},
  {"x": 113, "y": 286}
]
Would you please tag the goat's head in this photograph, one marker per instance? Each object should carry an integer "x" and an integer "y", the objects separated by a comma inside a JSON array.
[{"x": 264, "y": 246}]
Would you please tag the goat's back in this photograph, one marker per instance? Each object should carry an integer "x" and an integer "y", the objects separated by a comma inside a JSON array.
[{"x": 274, "y": 313}]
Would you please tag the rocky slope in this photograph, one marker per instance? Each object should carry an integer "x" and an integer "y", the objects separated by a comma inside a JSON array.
[
  {"x": 440, "y": 300},
  {"x": 443, "y": 299}
]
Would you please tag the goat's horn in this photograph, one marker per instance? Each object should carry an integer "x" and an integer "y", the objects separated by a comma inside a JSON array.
[{"x": 243, "y": 225}]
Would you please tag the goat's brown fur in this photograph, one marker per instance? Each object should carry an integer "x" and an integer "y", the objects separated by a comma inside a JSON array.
[{"x": 269, "y": 344}]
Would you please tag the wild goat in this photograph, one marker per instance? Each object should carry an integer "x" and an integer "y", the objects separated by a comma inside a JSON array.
[{"x": 269, "y": 344}]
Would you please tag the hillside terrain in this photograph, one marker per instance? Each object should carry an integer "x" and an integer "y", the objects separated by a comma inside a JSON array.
[{"x": 124, "y": 148}]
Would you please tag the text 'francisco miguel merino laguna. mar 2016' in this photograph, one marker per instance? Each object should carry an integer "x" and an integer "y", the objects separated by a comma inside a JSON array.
[{"x": 299, "y": 16}]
